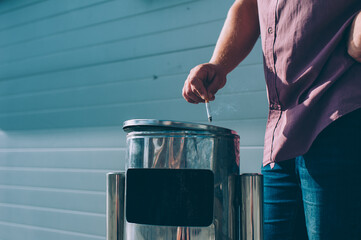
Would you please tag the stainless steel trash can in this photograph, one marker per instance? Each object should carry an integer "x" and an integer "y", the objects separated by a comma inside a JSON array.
[{"x": 182, "y": 182}]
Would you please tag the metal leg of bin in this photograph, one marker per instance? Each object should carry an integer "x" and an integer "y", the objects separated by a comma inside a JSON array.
[
  {"x": 251, "y": 206},
  {"x": 115, "y": 205}
]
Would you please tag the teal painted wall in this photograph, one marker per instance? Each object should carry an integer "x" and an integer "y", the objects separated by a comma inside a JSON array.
[{"x": 72, "y": 71}]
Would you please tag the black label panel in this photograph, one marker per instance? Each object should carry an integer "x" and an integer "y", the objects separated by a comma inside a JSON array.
[{"x": 170, "y": 197}]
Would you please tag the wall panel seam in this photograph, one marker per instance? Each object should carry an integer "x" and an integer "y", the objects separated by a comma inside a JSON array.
[
  {"x": 100, "y": 106},
  {"x": 61, "y": 149},
  {"x": 100, "y": 44},
  {"x": 53, "y": 16},
  {"x": 20, "y": 7},
  {"x": 51, "y": 230},
  {"x": 54, "y": 210},
  {"x": 95, "y": 86},
  {"x": 86, "y": 86},
  {"x": 97, "y": 24},
  {"x": 56, "y": 170},
  {"x": 106, "y": 62},
  {"x": 47, "y": 189}
]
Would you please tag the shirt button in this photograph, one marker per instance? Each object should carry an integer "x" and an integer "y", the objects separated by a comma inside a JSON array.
[{"x": 270, "y": 30}]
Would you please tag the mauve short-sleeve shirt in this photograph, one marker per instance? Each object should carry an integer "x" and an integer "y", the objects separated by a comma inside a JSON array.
[{"x": 311, "y": 80}]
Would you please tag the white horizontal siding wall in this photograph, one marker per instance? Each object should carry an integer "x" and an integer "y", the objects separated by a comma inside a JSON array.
[{"x": 72, "y": 71}]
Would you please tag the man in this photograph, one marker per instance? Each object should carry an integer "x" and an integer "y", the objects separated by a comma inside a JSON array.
[{"x": 312, "y": 156}]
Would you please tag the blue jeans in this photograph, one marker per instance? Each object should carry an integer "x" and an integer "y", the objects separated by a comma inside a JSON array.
[{"x": 317, "y": 196}]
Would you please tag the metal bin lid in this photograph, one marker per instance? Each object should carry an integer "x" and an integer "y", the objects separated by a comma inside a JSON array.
[{"x": 154, "y": 124}]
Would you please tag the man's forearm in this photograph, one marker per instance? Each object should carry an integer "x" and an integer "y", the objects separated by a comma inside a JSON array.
[
  {"x": 238, "y": 36},
  {"x": 354, "y": 42}
]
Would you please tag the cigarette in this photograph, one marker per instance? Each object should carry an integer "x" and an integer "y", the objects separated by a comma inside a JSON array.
[{"x": 208, "y": 108}]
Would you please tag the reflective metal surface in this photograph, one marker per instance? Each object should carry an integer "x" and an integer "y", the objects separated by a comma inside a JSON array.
[
  {"x": 172, "y": 145},
  {"x": 251, "y": 206},
  {"x": 115, "y": 205}
]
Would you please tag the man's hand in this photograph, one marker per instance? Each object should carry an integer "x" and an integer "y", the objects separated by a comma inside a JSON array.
[
  {"x": 203, "y": 82},
  {"x": 238, "y": 36},
  {"x": 354, "y": 41}
]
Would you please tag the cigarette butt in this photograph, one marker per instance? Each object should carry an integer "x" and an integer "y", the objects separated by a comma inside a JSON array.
[{"x": 208, "y": 108}]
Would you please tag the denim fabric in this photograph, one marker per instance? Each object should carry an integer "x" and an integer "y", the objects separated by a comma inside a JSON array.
[{"x": 318, "y": 194}]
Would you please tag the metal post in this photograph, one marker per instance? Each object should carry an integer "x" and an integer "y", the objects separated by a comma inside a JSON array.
[
  {"x": 251, "y": 206},
  {"x": 115, "y": 205}
]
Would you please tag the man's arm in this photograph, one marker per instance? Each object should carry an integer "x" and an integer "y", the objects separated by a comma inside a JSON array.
[
  {"x": 354, "y": 41},
  {"x": 237, "y": 38}
]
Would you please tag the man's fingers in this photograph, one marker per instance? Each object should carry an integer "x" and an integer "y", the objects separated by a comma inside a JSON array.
[
  {"x": 217, "y": 83},
  {"x": 195, "y": 98},
  {"x": 190, "y": 101},
  {"x": 189, "y": 95},
  {"x": 191, "y": 98},
  {"x": 198, "y": 88}
]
